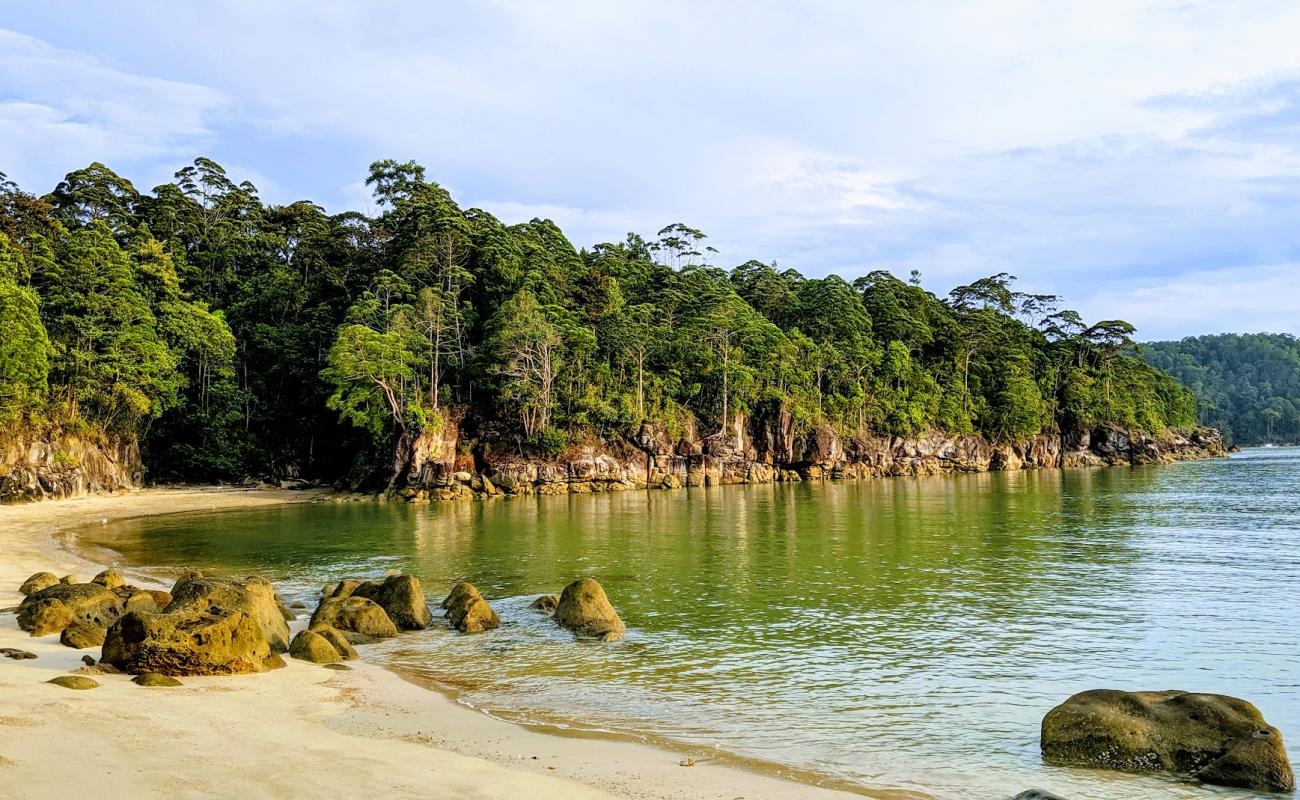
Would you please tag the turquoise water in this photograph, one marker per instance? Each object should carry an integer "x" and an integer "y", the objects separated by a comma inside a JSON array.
[{"x": 904, "y": 633}]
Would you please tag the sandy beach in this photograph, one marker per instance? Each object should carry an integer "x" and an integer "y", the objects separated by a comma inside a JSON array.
[{"x": 293, "y": 732}]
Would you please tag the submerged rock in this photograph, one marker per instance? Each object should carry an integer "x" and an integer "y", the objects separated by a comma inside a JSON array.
[
  {"x": 252, "y": 596},
  {"x": 187, "y": 642},
  {"x": 546, "y": 603},
  {"x": 402, "y": 598},
  {"x": 110, "y": 579},
  {"x": 356, "y": 614},
  {"x": 56, "y": 607},
  {"x": 311, "y": 646},
  {"x": 155, "y": 679},
  {"x": 39, "y": 581},
  {"x": 1209, "y": 737},
  {"x": 585, "y": 609},
  {"x": 80, "y": 635},
  {"x": 467, "y": 611},
  {"x": 79, "y": 682}
]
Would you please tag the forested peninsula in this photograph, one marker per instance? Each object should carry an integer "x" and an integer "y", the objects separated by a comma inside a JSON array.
[
  {"x": 1246, "y": 385},
  {"x": 196, "y": 333}
]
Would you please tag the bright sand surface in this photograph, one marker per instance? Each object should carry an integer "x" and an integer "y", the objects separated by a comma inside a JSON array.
[{"x": 302, "y": 731}]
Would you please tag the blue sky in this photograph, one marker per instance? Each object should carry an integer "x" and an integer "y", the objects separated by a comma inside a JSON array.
[{"x": 1143, "y": 160}]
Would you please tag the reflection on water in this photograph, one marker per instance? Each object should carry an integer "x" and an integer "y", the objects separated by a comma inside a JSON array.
[{"x": 906, "y": 633}]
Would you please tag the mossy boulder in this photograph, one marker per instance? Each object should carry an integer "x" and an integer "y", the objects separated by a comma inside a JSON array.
[
  {"x": 468, "y": 612},
  {"x": 78, "y": 682},
  {"x": 546, "y": 603},
  {"x": 110, "y": 579},
  {"x": 187, "y": 642},
  {"x": 81, "y": 635},
  {"x": 354, "y": 614},
  {"x": 336, "y": 638},
  {"x": 311, "y": 646},
  {"x": 1207, "y": 737},
  {"x": 39, "y": 581},
  {"x": 155, "y": 679},
  {"x": 253, "y": 596},
  {"x": 402, "y": 598},
  {"x": 585, "y": 609},
  {"x": 56, "y": 607}
]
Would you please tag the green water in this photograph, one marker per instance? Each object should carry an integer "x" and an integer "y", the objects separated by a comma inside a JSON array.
[{"x": 890, "y": 633}]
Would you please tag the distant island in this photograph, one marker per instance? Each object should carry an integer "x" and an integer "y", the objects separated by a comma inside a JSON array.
[
  {"x": 1246, "y": 385},
  {"x": 196, "y": 333}
]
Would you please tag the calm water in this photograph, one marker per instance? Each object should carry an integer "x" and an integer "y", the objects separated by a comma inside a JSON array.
[{"x": 888, "y": 633}]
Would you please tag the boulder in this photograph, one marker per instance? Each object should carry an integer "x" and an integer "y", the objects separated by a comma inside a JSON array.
[
  {"x": 1208, "y": 737},
  {"x": 458, "y": 593},
  {"x": 155, "y": 679},
  {"x": 110, "y": 579},
  {"x": 546, "y": 603},
  {"x": 187, "y": 642},
  {"x": 74, "y": 682},
  {"x": 402, "y": 599},
  {"x": 54, "y": 608},
  {"x": 39, "y": 581},
  {"x": 219, "y": 596},
  {"x": 585, "y": 609},
  {"x": 355, "y": 614},
  {"x": 68, "y": 580},
  {"x": 311, "y": 646},
  {"x": 80, "y": 635},
  {"x": 336, "y": 638},
  {"x": 344, "y": 588}
]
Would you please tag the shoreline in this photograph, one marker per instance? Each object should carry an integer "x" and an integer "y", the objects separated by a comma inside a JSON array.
[{"x": 369, "y": 729}]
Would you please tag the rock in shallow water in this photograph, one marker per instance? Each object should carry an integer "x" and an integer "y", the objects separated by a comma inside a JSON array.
[
  {"x": 546, "y": 603},
  {"x": 467, "y": 611},
  {"x": 402, "y": 598},
  {"x": 1208, "y": 737},
  {"x": 585, "y": 609}
]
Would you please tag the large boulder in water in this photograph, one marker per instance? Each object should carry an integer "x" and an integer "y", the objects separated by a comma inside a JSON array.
[
  {"x": 402, "y": 599},
  {"x": 56, "y": 607},
  {"x": 219, "y": 596},
  {"x": 467, "y": 611},
  {"x": 187, "y": 642},
  {"x": 585, "y": 609},
  {"x": 39, "y": 581},
  {"x": 1207, "y": 737},
  {"x": 354, "y": 614}
]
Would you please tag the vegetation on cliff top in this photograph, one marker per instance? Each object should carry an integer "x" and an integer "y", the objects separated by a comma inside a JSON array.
[
  {"x": 238, "y": 337},
  {"x": 1246, "y": 385}
]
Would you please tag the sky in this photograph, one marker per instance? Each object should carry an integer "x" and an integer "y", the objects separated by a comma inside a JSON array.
[{"x": 1140, "y": 159}]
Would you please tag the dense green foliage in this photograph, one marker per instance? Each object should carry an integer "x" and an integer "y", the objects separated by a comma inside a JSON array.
[
  {"x": 240, "y": 337},
  {"x": 1246, "y": 385}
]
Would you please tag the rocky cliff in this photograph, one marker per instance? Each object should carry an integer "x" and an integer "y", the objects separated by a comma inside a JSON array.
[
  {"x": 445, "y": 465},
  {"x": 42, "y": 466}
]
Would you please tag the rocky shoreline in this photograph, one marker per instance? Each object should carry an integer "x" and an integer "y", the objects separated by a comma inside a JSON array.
[{"x": 448, "y": 466}]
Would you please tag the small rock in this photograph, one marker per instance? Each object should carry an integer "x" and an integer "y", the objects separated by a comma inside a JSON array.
[
  {"x": 585, "y": 609},
  {"x": 15, "y": 653},
  {"x": 686, "y": 762},
  {"x": 39, "y": 581},
  {"x": 68, "y": 580},
  {"x": 110, "y": 579},
  {"x": 155, "y": 679},
  {"x": 1037, "y": 794},
  {"x": 546, "y": 603},
  {"x": 88, "y": 660},
  {"x": 337, "y": 666},
  {"x": 74, "y": 682},
  {"x": 80, "y": 635}
]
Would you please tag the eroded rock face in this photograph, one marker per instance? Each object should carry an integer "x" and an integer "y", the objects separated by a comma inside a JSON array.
[
  {"x": 402, "y": 598},
  {"x": 1208, "y": 737},
  {"x": 56, "y": 607},
  {"x": 219, "y": 596},
  {"x": 354, "y": 614},
  {"x": 467, "y": 611},
  {"x": 585, "y": 609},
  {"x": 187, "y": 642},
  {"x": 39, "y": 581}
]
